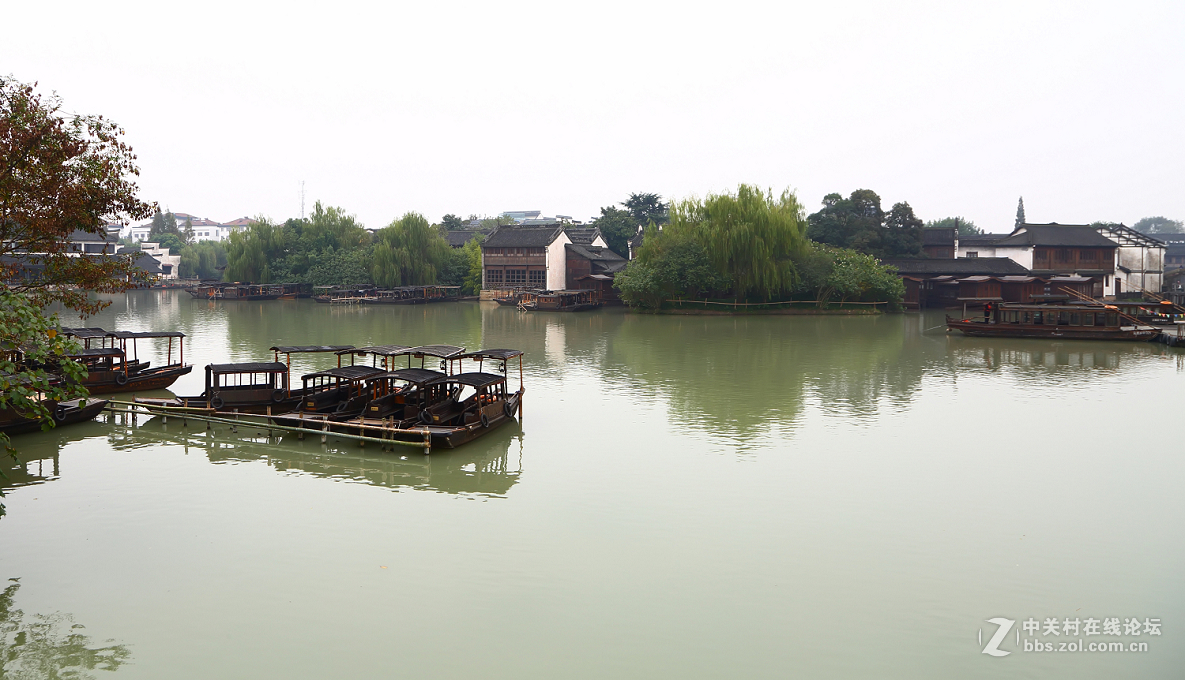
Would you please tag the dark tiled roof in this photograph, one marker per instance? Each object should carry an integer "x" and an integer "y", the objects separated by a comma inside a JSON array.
[
  {"x": 517, "y": 237},
  {"x": 78, "y": 236},
  {"x": 594, "y": 253},
  {"x": 582, "y": 236},
  {"x": 149, "y": 264},
  {"x": 963, "y": 266},
  {"x": 1079, "y": 235},
  {"x": 939, "y": 236},
  {"x": 459, "y": 237},
  {"x": 981, "y": 239}
]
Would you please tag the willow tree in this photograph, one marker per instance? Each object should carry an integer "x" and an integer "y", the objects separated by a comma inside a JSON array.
[
  {"x": 250, "y": 253},
  {"x": 751, "y": 237},
  {"x": 409, "y": 252}
]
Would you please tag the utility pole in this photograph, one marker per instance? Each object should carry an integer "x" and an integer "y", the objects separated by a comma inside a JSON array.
[{"x": 302, "y": 199}]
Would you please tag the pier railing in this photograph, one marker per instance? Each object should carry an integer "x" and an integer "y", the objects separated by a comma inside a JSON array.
[{"x": 381, "y": 434}]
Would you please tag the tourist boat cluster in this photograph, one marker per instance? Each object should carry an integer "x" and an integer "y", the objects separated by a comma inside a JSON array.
[{"x": 433, "y": 397}]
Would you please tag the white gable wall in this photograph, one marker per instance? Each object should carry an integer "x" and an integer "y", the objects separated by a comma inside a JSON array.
[{"x": 557, "y": 262}]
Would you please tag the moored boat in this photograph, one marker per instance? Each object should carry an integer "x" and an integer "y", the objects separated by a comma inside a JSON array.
[
  {"x": 65, "y": 412},
  {"x": 1075, "y": 321},
  {"x": 559, "y": 301}
]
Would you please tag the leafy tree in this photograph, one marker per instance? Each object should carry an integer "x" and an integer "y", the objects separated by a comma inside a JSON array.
[
  {"x": 451, "y": 222},
  {"x": 1020, "y": 213},
  {"x": 617, "y": 226},
  {"x": 647, "y": 208},
  {"x": 676, "y": 267},
  {"x": 1159, "y": 225},
  {"x": 750, "y": 237},
  {"x": 171, "y": 241},
  {"x": 831, "y": 274},
  {"x": 340, "y": 267},
  {"x": 965, "y": 227},
  {"x": 60, "y": 173},
  {"x": 187, "y": 231},
  {"x": 853, "y": 222},
  {"x": 488, "y": 223},
  {"x": 472, "y": 252},
  {"x": 202, "y": 260},
  {"x": 250, "y": 254},
  {"x": 903, "y": 232},
  {"x": 859, "y": 223},
  {"x": 409, "y": 252}
]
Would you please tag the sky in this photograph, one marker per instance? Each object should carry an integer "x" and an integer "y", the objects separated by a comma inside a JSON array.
[{"x": 478, "y": 108}]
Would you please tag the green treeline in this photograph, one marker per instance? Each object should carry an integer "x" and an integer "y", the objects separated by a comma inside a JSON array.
[
  {"x": 330, "y": 247},
  {"x": 751, "y": 246}
]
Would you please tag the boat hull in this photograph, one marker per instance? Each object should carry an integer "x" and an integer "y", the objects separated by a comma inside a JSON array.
[
  {"x": 154, "y": 379},
  {"x": 63, "y": 413},
  {"x": 979, "y": 329}
]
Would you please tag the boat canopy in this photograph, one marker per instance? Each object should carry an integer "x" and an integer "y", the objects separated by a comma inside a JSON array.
[
  {"x": 268, "y": 367},
  {"x": 380, "y": 350},
  {"x": 132, "y": 335},
  {"x": 473, "y": 379},
  {"x": 347, "y": 373},
  {"x": 85, "y": 333},
  {"x": 502, "y": 354},
  {"x": 417, "y": 376},
  {"x": 442, "y": 351},
  {"x": 96, "y": 352},
  {"x": 309, "y": 349}
]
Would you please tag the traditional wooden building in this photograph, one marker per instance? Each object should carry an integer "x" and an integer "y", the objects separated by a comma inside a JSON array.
[
  {"x": 593, "y": 268},
  {"x": 516, "y": 257},
  {"x": 940, "y": 242}
]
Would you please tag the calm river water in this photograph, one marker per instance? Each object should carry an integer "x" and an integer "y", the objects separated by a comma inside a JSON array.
[{"x": 687, "y": 497}]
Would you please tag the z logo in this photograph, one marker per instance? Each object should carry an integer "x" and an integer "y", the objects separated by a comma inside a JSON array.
[{"x": 993, "y": 645}]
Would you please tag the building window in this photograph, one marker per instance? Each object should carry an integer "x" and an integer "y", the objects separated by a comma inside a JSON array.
[
  {"x": 973, "y": 253},
  {"x": 537, "y": 277},
  {"x": 493, "y": 276},
  {"x": 516, "y": 276}
]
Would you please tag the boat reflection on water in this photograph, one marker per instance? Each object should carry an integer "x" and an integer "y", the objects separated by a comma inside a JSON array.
[{"x": 488, "y": 467}]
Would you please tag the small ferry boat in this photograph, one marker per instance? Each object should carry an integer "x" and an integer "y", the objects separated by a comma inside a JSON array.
[
  {"x": 251, "y": 387},
  {"x": 559, "y": 301},
  {"x": 108, "y": 371},
  {"x": 1071, "y": 321},
  {"x": 412, "y": 295},
  {"x": 65, "y": 412},
  {"x": 450, "y": 410},
  {"x": 511, "y": 298}
]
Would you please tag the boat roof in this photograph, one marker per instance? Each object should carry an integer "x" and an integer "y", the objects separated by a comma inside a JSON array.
[
  {"x": 85, "y": 333},
  {"x": 145, "y": 334},
  {"x": 418, "y": 376},
  {"x": 473, "y": 379},
  {"x": 442, "y": 351},
  {"x": 294, "y": 349},
  {"x": 381, "y": 350},
  {"x": 492, "y": 354},
  {"x": 97, "y": 352},
  {"x": 347, "y": 373},
  {"x": 257, "y": 367},
  {"x": 1089, "y": 306}
]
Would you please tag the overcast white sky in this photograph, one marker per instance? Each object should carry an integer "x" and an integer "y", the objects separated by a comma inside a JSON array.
[{"x": 384, "y": 108}]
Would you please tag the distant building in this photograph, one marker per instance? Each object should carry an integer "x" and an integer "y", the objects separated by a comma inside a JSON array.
[
  {"x": 1051, "y": 250},
  {"x": 1139, "y": 261},
  {"x": 539, "y": 257},
  {"x": 459, "y": 237},
  {"x": 940, "y": 242},
  {"x": 169, "y": 264}
]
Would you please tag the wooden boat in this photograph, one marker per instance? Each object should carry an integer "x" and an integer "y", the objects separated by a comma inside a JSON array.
[
  {"x": 108, "y": 372},
  {"x": 450, "y": 409},
  {"x": 559, "y": 301},
  {"x": 252, "y": 292},
  {"x": 412, "y": 295},
  {"x": 332, "y": 294},
  {"x": 90, "y": 336},
  {"x": 63, "y": 413},
  {"x": 1084, "y": 321},
  {"x": 511, "y": 298}
]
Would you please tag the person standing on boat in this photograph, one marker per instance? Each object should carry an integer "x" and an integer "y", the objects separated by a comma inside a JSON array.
[{"x": 987, "y": 312}]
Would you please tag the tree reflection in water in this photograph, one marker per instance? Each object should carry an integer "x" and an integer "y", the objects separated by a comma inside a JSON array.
[{"x": 49, "y": 645}]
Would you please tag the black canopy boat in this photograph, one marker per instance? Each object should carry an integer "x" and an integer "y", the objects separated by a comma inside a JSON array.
[
  {"x": 108, "y": 372},
  {"x": 253, "y": 387},
  {"x": 390, "y": 397},
  {"x": 412, "y": 295},
  {"x": 1068, "y": 321},
  {"x": 65, "y": 412},
  {"x": 92, "y": 338},
  {"x": 450, "y": 409},
  {"x": 559, "y": 301}
]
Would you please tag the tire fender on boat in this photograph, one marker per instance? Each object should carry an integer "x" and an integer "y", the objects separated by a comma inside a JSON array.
[
  {"x": 485, "y": 420},
  {"x": 277, "y": 396},
  {"x": 59, "y": 413},
  {"x": 121, "y": 378},
  {"x": 508, "y": 409},
  {"x": 217, "y": 402}
]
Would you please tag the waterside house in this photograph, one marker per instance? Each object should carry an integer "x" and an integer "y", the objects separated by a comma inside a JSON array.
[{"x": 556, "y": 257}]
